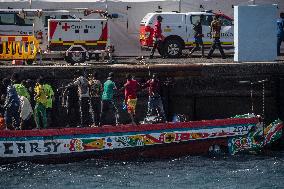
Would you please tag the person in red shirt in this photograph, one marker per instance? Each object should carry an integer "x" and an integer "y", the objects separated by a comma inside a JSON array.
[
  {"x": 157, "y": 36},
  {"x": 155, "y": 101},
  {"x": 130, "y": 90}
]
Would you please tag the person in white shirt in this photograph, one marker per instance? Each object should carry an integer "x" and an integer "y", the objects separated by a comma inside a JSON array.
[{"x": 26, "y": 113}]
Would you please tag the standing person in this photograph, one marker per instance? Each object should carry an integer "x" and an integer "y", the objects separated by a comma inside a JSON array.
[
  {"x": 96, "y": 90},
  {"x": 11, "y": 106},
  {"x": 157, "y": 37},
  {"x": 130, "y": 90},
  {"x": 155, "y": 100},
  {"x": 40, "y": 107},
  {"x": 50, "y": 98},
  {"x": 216, "y": 34},
  {"x": 26, "y": 113},
  {"x": 107, "y": 99},
  {"x": 280, "y": 32},
  {"x": 84, "y": 97},
  {"x": 198, "y": 34},
  {"x": 30, "y": 87}
]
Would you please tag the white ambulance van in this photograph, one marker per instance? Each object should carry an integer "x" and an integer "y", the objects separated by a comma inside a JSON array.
[
  {"x": 177, "y": 28},
  {"x": 77, "y": 38}
]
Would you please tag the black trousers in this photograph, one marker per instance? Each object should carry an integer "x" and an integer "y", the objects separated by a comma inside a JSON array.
[
  {"x": 108, "y": 107},
  {"x": 96, "y": 107},
  {"x": 73, "y": 114},
  {"x": 85, "y": 111},
  {"x": 216, "y": 43},
  {"x": 157, "y": 44}
]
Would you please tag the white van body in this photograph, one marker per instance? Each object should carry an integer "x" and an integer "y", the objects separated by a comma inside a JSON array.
[
  {"x": 90, "y": 33},
  {"x": 177, "y": 28}
]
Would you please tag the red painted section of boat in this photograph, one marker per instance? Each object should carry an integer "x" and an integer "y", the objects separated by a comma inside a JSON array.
[{"x": 125, "y": 128}]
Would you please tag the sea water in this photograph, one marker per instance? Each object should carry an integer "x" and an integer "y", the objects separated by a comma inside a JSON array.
[{"x": 241, "y": 171}]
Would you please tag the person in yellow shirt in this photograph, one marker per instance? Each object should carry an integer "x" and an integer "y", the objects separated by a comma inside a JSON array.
[{"x": 40, "y": 107}]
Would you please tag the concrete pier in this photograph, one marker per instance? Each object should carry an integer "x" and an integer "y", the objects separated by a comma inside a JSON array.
[{"x": 199, "y": 90}]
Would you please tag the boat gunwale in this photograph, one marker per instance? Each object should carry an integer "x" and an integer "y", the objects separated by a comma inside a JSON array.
[{"x": 128, "y": 128}]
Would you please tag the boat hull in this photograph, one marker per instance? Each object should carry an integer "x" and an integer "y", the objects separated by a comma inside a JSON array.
[{"x": 123, "y": 142}]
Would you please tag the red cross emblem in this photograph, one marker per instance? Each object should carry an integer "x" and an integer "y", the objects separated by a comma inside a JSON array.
[{"x": 65, "y": 27}]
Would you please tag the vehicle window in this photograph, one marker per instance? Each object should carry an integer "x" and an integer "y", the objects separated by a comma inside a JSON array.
[
  {"x": 7, "y": 19},
  {"x": 23, "y": 22},
  {"x": 194, "y": 19},
  {"x": 226, "y": 21},
  {"x": 207, "y": 19}
]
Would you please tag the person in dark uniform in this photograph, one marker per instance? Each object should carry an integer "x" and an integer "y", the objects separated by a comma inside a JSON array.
[
  {"x": 280, "y": 32},
  {"x": 157, "y": 36},
  {"x": 216, "y": 34},
  {"x": 197, "y": 27}
]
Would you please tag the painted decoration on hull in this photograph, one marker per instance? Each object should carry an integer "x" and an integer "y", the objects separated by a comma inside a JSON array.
[
  {"x": 256, "y": 140},
  {"x": 64, "y": 144}
]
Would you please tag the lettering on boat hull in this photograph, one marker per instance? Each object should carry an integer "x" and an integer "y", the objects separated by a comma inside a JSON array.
[{"x": 34, "y": 146}]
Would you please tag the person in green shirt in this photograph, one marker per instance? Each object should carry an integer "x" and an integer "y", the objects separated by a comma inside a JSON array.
[
  {"x": 22, "y": 90},
  {"x": 50, "y": 98},
  {"x": 107, "y": 103}
]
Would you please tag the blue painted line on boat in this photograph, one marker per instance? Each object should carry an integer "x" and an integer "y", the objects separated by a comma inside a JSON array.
[{"x": 115, "y": 133}]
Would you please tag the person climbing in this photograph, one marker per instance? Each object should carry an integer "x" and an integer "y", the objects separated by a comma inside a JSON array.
[
  {"x": 11, "y": 106},
  {"x": 130, "y": 90},
  {"x": 198, "y": 35},
  {"x": 216, "y": 34},
  {"x": 157, "y": 37},
  {"x": 155, "y": 101},
  {"x": 84, "y": 97},
  {"x": 107, "y": 103},
  {"x": 96, "y": 90},
  {"x": 40, "y": 107}
]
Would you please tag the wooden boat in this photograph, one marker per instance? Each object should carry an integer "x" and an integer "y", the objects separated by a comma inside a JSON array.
[{"x": 125, "y": 142}]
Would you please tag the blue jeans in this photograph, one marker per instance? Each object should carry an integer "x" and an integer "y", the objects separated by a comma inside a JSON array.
[
  {"x": 279, "y": 41},
  {"x": 12, "y": 112},
  {"x": 155, "y": 104}
]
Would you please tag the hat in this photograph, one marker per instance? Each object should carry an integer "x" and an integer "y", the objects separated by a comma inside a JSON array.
[{"x": 159, "y": 17}]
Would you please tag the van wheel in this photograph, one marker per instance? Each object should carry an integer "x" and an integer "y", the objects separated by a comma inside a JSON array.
[
  {"x": 173, "y": 48},
  {"x": 76, "y": 57}
]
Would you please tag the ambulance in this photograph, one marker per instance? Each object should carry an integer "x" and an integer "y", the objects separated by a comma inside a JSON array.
[
  {"x": 78, "y": 38},
  {"x": 59, "y": 32},
  {"x": 177, "y": 28}
]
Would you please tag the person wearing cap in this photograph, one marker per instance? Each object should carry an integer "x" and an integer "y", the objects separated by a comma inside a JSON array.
[
  {"x": 155, "y": 101},
  {"x": 107, "y": 103},
  {"x": 215, "y": 26},
  {"x": 157, "y": 36},
  {"x": 95, "y": 93},
  {"x": 130, "y": 90}
]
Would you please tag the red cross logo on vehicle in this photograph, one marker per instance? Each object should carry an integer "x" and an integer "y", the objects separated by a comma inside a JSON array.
[{"x": 65, "y": 27}]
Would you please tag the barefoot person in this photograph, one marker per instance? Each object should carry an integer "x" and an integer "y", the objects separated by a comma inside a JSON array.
[{"x": 130, "y": 90}]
